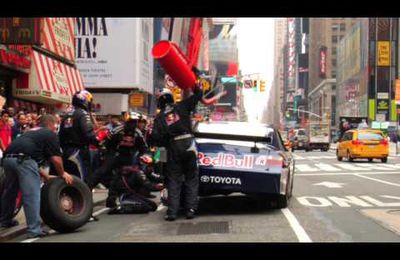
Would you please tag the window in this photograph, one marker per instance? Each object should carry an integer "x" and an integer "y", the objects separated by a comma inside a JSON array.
[
  {"x": 333, "y": 63},
  {"x": 335, "y": 27},
  {"x": 334, "y": 39},
  {"x": 342, "y": 26},
  {"x": 334, "y": 50}
]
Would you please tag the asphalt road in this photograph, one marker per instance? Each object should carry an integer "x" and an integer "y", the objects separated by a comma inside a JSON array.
[{"x": 332, "y": 201}]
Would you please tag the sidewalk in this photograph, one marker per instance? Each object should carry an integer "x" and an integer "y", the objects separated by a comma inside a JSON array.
[{"x": 99, "y": 196}]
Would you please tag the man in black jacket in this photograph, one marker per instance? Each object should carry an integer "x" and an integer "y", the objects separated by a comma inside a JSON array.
[
  {"x": 173, "y": 130},
  {"x": 76, "y": 133}
]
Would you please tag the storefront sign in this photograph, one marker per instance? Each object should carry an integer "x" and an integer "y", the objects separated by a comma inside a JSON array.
[
  {"x": 17, "y": 30},
  {"x": 14, "y": 60},
  {"x": 137, "y": 100},
  {"x": 383, "y": 54}
]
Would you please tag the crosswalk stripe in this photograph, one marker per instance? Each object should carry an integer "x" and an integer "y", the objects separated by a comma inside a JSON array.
[
  {"x": 327, "y": 167},
  {"x": 374, "y": 166},
  {"x": 305, "y": 168},
  {"x": 348, "y": 166}
]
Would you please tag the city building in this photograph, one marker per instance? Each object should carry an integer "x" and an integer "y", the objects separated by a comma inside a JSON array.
[
  {"x": 37, "y": 63},
  {"x": 325, "y": 34},
  {"x": 114, "y": 58},
  {"x": 367, "y": 72}
]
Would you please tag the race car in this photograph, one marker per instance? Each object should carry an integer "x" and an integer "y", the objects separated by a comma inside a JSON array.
[{"x": 246, "y": 158}]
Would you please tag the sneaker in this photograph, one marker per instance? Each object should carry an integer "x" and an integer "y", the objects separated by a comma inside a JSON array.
[
  {"x": 190, "y": 214},
  {"x": 10, "y": 224},
  {"x": 42, "y": 234},
  {"x": 170, "y": 217}
]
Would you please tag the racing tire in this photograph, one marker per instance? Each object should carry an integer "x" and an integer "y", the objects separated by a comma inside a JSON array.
[
  {"x": 65, "y": 207},
  {"x": 384, "y": 159},
  {"x": 370, "y": 160}
]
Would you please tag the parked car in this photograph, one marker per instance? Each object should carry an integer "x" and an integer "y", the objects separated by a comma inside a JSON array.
[
  {"x": 241, "y": 157},
  {"x": 363, "y": 144}
]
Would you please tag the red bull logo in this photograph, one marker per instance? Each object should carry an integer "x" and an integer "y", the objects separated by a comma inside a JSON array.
[{"x": 247, "y": 161}]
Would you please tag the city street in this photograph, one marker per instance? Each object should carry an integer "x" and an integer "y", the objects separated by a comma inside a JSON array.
[{"x": 332, "y": 201}]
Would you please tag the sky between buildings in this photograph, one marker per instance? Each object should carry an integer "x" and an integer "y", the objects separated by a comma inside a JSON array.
[{"x": 256, "y": 55}]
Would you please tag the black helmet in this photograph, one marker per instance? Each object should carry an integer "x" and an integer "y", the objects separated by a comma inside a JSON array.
[
  {"x": 164, "y": 97},
  {"x": 82, "y": 99}
]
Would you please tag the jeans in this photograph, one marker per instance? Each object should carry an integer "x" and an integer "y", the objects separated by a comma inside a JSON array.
[{"x": 24, "y": 176}]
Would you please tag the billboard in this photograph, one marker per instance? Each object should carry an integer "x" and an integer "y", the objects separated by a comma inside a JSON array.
[
  {"x": 18, "y": 30},
  {"x": 114, "y": 52}
]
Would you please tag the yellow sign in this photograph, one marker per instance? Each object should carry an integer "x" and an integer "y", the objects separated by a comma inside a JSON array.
[
  {"x": 136, "y": 100},
  {"x": 383, "y": 54},
  {"x": 397, "y": 93}
]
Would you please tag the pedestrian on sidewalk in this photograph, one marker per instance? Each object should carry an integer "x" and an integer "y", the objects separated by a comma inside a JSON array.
[{"x": 21, "y": 163}]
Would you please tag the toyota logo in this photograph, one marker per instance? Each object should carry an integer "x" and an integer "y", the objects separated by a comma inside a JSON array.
[{"x": 204, "y": 178}]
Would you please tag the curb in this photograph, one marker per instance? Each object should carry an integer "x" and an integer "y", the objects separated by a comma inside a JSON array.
[{"x": 14, "y": 232}]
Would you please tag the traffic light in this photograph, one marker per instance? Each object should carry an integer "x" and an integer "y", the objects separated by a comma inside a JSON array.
[
  {"x": 262, "y": 85},
  {"x": 255, "y": 85}
]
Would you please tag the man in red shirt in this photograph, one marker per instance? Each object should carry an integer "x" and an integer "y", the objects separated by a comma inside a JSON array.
[{"x": 5, "y": 130}]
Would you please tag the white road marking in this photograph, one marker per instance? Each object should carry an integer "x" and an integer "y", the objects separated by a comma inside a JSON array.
[
  {"x": 345, "y": 173},
  {"x": 348, "y": 166},
  {"x": 305, "y": 168},
  {"x": 329, "y": 184},
  {"x": 95, "y": 214},
  {"x": 377, "y": 180},
  {"x": 363, "y": 201},
  {"x": 327, "y": 167},
  {"x": 297, "y": 228},
  {"x": 375, "y": 166},
  {"x": 298, "y": 157}
]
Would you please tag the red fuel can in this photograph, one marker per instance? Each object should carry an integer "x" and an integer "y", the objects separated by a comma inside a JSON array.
[{"x": 175, "y": 64}]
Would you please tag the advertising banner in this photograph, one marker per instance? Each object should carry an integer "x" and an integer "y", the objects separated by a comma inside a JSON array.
[
  {"x": 57, "y": 37},
  {"x": 383, "y": 54},
  {"x": 322, "y": 62},
  {"x": 106, "y": 51},
  {"x": 397, "y": 93}
]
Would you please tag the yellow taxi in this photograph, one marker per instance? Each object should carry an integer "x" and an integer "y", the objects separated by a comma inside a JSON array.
[{"x": 363, "y": 144}]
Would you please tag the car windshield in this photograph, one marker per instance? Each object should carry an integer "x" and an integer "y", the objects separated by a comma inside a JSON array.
[{"x": 370, "y": 136}]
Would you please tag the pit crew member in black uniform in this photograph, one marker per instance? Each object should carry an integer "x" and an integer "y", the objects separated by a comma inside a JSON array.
[
  {"x": 76, "y": 133},
  {"x": 173, "y": 130}
]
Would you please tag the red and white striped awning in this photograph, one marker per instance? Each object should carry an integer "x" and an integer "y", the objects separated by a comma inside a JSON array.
[{"x": 50, "y": 81}]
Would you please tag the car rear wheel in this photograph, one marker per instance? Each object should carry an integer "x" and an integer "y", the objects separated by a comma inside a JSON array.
[
  {"x": 384, "y": 160},
  {"x": 339, "y": 158},
  {"x": 349, "y": 158},
  {"x": 370, "y": 159},
  {"x": 64, "y": 207}
]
